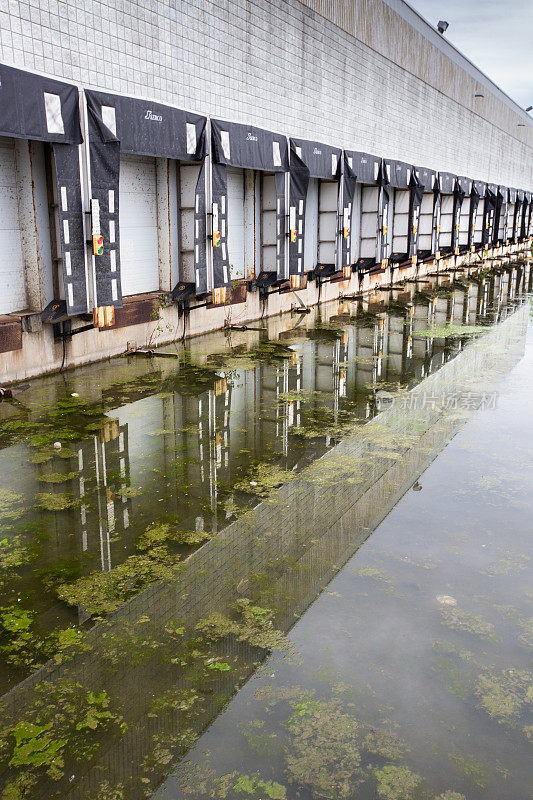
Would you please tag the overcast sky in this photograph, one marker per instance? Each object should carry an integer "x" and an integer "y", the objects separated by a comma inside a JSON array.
[{"x": 497, "y": 35}]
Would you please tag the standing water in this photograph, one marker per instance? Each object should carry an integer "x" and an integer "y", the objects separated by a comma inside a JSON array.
[{"x": 295, "y": 566}]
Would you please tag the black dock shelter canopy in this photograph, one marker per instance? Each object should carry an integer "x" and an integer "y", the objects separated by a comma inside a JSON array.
[
  {"x": 493, "y": 203},
  {"x": 510, "y": 214},
  {"x": 128, "y": 125},
  {"x": 307, "y": 160},
  {"x": 236, "y": 145},
  {"x": 527, "y": 216},
  {"x": 519, "y": 213},
  {"x": 364, "y": 169},
  {"x": 408, "y": 191},
  {"x": 477, "y": 194},
  {"x": 42, "y": 109}
]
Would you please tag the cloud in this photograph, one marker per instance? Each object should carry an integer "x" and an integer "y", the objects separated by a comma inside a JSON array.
[{"x": 496, "y": 36}]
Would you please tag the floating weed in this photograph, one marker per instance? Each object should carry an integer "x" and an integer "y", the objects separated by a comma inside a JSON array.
[
  {"x": 451, "y": 331},
  {"x": 397, "y": 783},
  {"x": 10, "y": 505},
  {"x": 511, "y": 563},
  {"x": 503, "y": 695},
  {"x": 175, "y": 699},
  {"x": 451, "y": 796},
  {"x": 384, "y": 743},
  {"x": 374, "y": 572},
  {"x": 525, "y": 624},
  {"x": 107, "y": 792},
  {"x": 261, "y": 741},
  {"x": 103, "y": 592},
  {"x": 162, "y": 533},
  {"x": 263, "y": 479},
  {"x": 13, "y": 553},
  {"x": 58, "y": 501},
  {"x": 57, "y": 477},
  {"x": 454, "y": 684},
  {"x": 59, "y": 725},
  {"x": 459, "y": 620},
  {"x": 253, "y": 624},
  {"x": 61, "y": 572},
  {"x": 471, "y": 767},
  {"x": 253, "y": 785},
  {"x": 322, "y": 756}
]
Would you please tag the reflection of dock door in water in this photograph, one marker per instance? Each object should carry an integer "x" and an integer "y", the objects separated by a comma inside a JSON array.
[{"x": 103, "y": 464}]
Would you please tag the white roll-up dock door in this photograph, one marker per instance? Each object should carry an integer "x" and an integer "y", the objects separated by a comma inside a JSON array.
[
  {"x": 400, "y": 222},
  {"x": 425, "y": 223},
  {"x": 446, "y": 221},
  {"x": 464, "y": 222},
  {"x": 235, "y": 179},
  {"x": 478, "y": 227},
  {"x": 13, "y": 295},
  {"x": 327, "y": 221},
  {"x": 369, "y": 222},
  {"x": 139, "y": 254}
]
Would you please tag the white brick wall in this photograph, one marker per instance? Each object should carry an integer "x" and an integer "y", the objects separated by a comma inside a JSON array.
[{"x": 273, "y": 63}]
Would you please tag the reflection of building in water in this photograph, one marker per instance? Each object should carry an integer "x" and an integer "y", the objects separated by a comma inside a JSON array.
[
  {"x": 294, "y": 543},
  {"x": 177, "y": 448}
]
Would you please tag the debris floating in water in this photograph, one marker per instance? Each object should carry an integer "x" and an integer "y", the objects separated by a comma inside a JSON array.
[{"x": 446, "y": 600}]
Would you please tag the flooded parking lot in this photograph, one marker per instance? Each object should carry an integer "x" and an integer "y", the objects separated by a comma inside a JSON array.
[{"x": 215, "y": 584}]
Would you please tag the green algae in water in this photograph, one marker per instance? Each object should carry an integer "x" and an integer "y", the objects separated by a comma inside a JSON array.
[
  {"x": 459, "y": 620},
  {"x": 454, "y": 685},
  {"x": 261, "y": 741},
  {"x": 504, "y": 695},
  {"x": 263, "y": 479},
  {"x": 471, "y": 767},
  {"x": 58, "y": 501},
  {"x": 57, "y": 477},
  {"x": 385, "y": 743},
  {"x": 100, "y": 593},
  {"x": 322, "y": 756},
  {"x": 13, "y": 553},
  {"x": 10, "y": 505},
  {"x": 374, "y": 572},
  {"x": 252, "y": 624},
  {"x": 397, "y": 783},
  {"x": 252, "y": 785},
  {"x": 450, "y": 331},
  {"x": 163, "y": 533},
  {"x": 61, "y": 725},
  {"x": 509, "y": 564}
]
